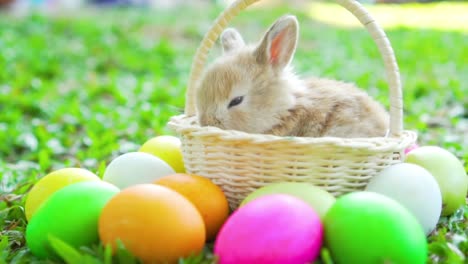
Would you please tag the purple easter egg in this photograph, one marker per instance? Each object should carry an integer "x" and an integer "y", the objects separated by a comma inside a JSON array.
[{"x": 272, "y": 229}]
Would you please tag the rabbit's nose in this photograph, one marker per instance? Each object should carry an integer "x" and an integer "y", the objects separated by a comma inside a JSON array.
[{"x": 206, "y": 120}]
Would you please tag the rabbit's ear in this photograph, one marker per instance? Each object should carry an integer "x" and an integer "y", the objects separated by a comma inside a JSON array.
[
  {"x": 231, "y": 40},
  {"x": 279, "y": 43}
]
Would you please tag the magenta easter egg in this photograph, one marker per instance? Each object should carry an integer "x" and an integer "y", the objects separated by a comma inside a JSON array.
[
  {"x": 410, "y": 148},
  {"x": 272, "y": 229}
]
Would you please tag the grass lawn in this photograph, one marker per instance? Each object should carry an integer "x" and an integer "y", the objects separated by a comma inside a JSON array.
[{"x": 79, "y": 90}]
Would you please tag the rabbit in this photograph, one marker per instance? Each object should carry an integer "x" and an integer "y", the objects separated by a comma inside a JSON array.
[{"x": 253, "y": 88}]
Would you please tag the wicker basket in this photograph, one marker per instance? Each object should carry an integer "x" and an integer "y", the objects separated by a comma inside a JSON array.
[{"x": 241, "y": 162}]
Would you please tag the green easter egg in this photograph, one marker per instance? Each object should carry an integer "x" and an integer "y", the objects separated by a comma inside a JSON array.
[
  {"x": 448, "y": 171},
  {"x": 70, "y": 214},
  {"x": 52, "y": 182},
  {"x": 368, "y": 228},
  {"x": 319, "y": 199}
]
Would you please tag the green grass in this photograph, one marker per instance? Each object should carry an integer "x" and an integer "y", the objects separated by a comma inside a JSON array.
[{"x": 80, "y": 90}]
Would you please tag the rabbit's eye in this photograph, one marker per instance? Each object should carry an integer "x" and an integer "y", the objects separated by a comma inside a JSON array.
[{"x": 236, "y": 101}]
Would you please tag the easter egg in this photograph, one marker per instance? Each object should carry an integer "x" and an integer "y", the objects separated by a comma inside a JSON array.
[
  {"x": 166, "y": 148},
  {"x": 410, "y": 148},
  {"x": 316, "y": 197},
  {"x": 272, "y": 229},
  {"x": 413, "y": 187},
  {"x": 207, "y": 197},
  {"x": 367, "y": 227},
  {"x": 447, "y": 170},
  {"x": 155, "y": 223},
  {"x": 70, "y": 214},
  {"x": 51, "y": 183},
  {"x": 135, "y": 168}
]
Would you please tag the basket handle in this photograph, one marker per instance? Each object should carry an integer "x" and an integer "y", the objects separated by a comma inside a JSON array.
[{"x": 378, "y": 35}]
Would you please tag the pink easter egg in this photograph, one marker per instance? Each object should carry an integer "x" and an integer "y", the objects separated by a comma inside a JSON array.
[
  {"x": 272, "y": 229},
  {"x": 410, "y": 148}
]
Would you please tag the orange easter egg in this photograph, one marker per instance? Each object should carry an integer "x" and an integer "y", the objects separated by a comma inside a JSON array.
[
  {"x": 155, "y": 223},
  {"x": 207, "y": 197}
]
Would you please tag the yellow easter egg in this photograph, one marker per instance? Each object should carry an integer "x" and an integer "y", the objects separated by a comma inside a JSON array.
[
  {"x": 51, "y": 183},
  {"x": 166, "y": 148}
]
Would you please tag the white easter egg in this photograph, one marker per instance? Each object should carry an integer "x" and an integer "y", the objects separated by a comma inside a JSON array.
[
  {"x": 136, "y": 168},
  {"x": 415, "y": 188}
]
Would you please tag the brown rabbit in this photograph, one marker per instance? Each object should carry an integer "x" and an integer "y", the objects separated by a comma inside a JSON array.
[{"x": 253, "y": 89}]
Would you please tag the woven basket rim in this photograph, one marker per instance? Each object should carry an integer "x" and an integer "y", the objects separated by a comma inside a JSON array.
[{"x": 183, "y": 124}]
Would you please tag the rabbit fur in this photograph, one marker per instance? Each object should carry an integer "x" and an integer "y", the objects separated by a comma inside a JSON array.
[{"x": 252, "y": 88}]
